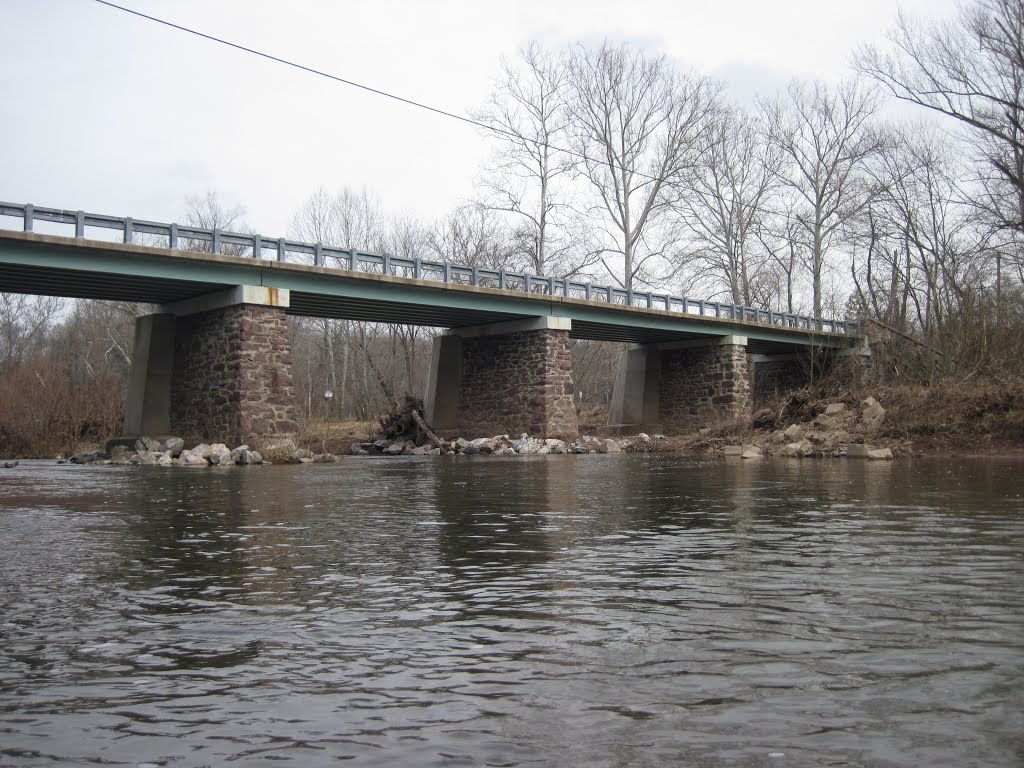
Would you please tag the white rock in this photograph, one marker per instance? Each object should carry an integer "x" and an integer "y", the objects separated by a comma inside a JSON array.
[{"x": 220, "y": 455}]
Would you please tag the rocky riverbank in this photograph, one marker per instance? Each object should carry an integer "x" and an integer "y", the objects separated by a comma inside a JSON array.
[
  {"x": 979, "y": 418},
  {"x": 172, "y": 452},
  {"x": 169, "y": 452},
  {"x": 840, "y": 430},
  {"x": 499, "y": 445}
]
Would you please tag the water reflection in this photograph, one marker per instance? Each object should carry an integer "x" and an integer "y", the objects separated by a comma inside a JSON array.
[{"x": 605, "y": 610}]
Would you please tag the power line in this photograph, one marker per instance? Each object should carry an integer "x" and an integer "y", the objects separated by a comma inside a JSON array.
[{"x": 344, "y": 81}]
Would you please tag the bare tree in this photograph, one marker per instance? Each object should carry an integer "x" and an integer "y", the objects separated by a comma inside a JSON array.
[
  {"x": 24, "y": 323},
  {"x": 527, "y": 176},
  {"x": 638, "y": 126},
  {"x": 826, "y": 137},
  {"x": 207, "y": 212},
  {"x": 920, "y": 255},
  {"x": 972, "y": 70},
  {"x": 472, "y": 235},
  {"x": 725, "y": 202}
]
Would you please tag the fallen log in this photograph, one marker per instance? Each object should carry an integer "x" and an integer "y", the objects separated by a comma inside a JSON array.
[{"x": 434, "y": 440}]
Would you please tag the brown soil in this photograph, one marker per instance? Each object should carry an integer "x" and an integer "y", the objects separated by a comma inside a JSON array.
[{"x": 968, "y": 418}]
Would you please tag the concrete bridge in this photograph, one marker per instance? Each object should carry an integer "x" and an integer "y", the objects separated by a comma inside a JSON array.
[{"x": 214, "y": 361}]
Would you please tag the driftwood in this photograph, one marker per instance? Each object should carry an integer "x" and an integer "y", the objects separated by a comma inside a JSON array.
[
  {"x": 406, "y": 422},
  {"x": 434, "y": 440},
  {"x": 10, "y": 464}
]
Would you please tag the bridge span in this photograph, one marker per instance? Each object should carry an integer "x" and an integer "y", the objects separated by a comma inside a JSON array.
[{"x": 212, "y": 360}]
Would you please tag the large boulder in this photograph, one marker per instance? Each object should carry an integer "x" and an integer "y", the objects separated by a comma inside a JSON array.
[
  {"x": 794, "y": 433},
  {"x": 174, "y": 444},
  {"x": 610, "y": 446},
  {"x": 120, "y": 454},
  {"x": 192, "y": 458},
  {"x": 141, "y": 457},
  {"x": 526, "y": 445},
  {"x": 148, "y": 444},
  {"x": 243, "y": 454},
  {"x": 556, "y": 446},
  {"x": 397, "y": 448},
  {"x": 220, "y": 455},
  {"x": 480, "y": 445},
  {"x": 872, "y": 414},
  {"x": 799, "y": 449}
]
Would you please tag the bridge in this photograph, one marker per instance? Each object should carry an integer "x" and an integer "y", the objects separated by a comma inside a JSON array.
[{"x": 213, "y": 358}]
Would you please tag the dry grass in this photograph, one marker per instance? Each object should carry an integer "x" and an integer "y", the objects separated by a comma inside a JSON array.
[
  {"x": 336, "y": 437},
  {"x": 964, "y": 416},
  {"x": 956, "y": 417}
]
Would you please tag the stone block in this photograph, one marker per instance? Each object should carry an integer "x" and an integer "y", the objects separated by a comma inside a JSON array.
[
  {"x": 873, "y": 415},
  {"x": 794, "y": 433}
]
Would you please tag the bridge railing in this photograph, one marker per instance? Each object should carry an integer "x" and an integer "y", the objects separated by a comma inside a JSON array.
[{"x": 178, "y": 236}]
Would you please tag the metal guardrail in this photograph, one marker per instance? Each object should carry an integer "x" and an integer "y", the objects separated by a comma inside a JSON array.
[{"x": 219, "y": 241}]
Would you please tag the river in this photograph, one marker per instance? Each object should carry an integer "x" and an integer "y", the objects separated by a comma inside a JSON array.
[{"x": 544, "y": 611}]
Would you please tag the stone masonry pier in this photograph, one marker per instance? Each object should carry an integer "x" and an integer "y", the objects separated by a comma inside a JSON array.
[
  {"x": 677, "y": 385},
  {"x": 684, "y": 385},
  {"x": 214, "y": 368},
  {"x": 504, "y": 378}
]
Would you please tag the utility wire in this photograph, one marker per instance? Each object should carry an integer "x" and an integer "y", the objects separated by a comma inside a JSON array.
[{"x": 361, "y": 86}]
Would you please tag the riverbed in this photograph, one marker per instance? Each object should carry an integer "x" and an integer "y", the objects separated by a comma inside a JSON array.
[{"x": 620, "y": 610}]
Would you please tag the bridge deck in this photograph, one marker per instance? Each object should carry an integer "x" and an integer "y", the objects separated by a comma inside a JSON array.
[{"x": 76, "y": 267}]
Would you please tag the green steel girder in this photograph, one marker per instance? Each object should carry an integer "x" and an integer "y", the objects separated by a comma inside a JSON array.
[{"x": 35, "y": 263}]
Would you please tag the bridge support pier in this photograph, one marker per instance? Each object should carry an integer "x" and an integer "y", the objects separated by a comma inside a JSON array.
[
  {"x": 214, "y": 368},
  {"x": 505, "y": 378},
  {"x": 680, "y": 385}
]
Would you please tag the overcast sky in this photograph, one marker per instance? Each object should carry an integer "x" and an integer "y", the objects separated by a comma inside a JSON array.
[{"x": 109, "y": 113}]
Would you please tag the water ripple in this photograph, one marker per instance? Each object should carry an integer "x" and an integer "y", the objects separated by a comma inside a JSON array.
[{"x": 609, "y": 611}]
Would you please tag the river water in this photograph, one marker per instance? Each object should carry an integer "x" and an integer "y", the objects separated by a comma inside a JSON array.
[{"x": 545, "y": 611}]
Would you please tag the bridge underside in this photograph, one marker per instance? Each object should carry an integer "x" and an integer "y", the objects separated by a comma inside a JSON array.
[
  {"x": 502, "y": 366},
  {"x": 50, "y": 265}
]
